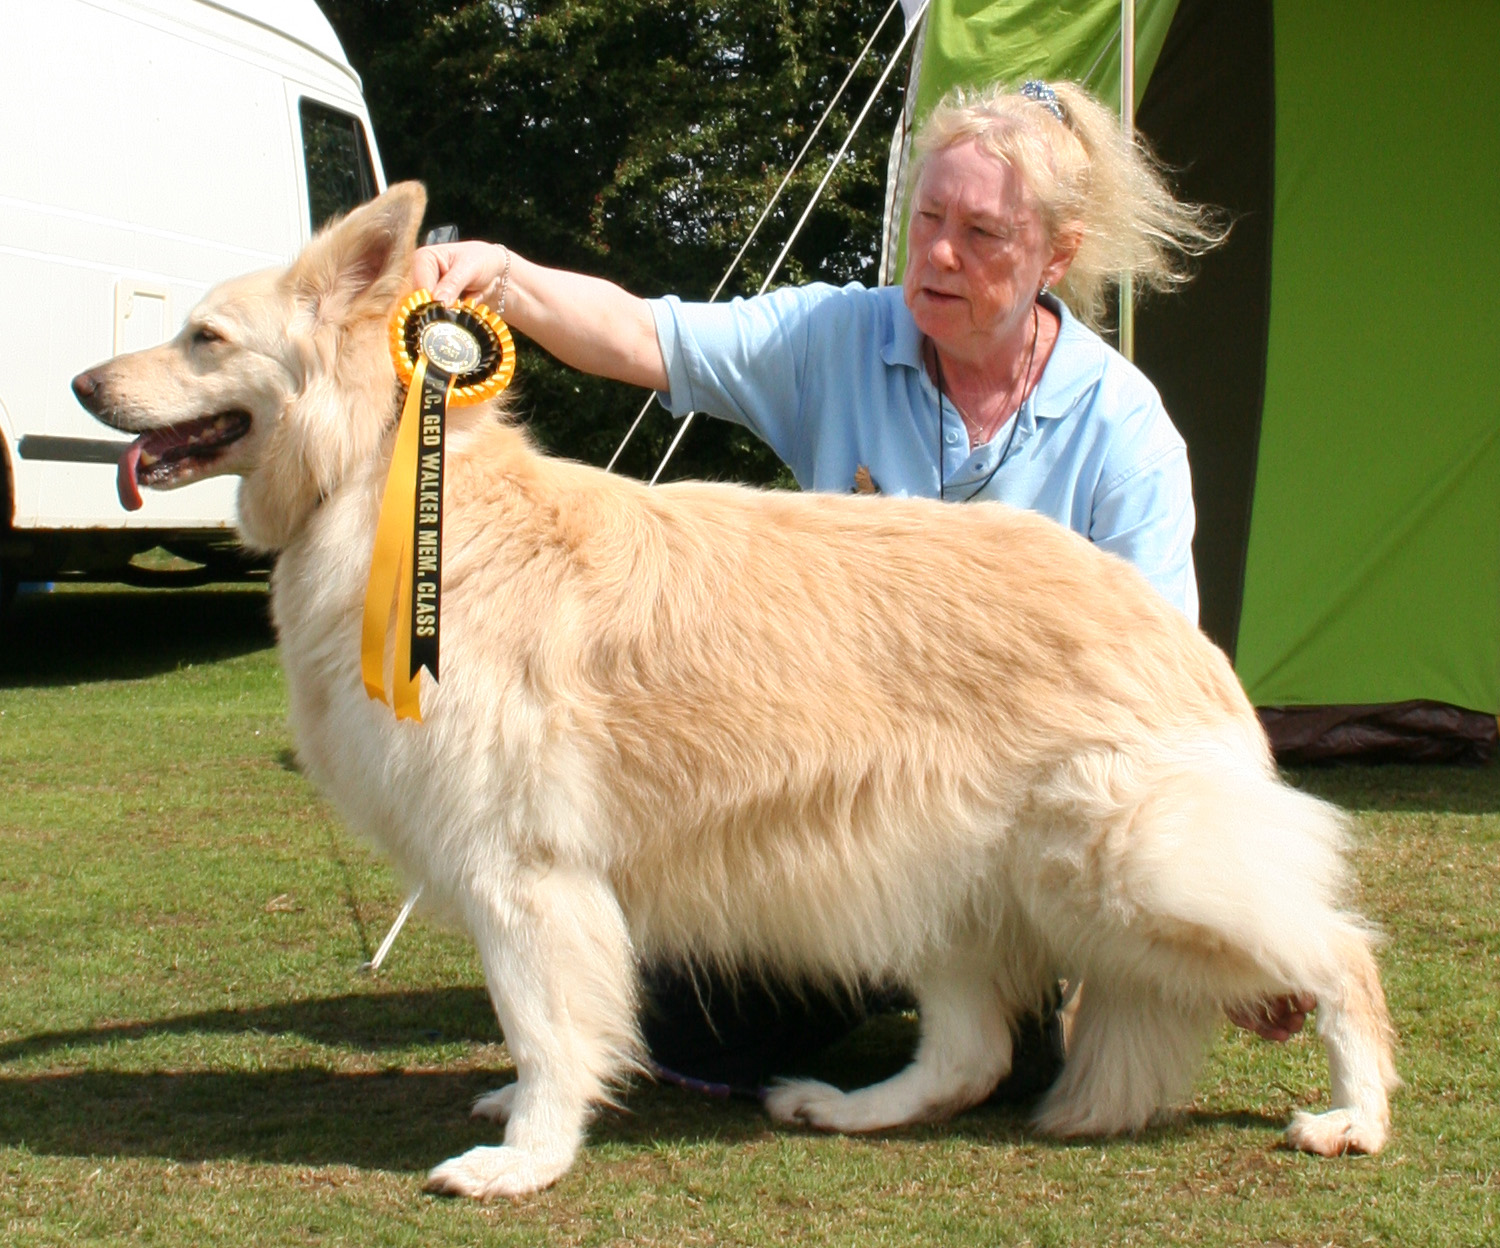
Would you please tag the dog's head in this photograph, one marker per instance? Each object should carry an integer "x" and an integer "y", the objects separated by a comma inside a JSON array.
[{"x": 282, "y": 377}]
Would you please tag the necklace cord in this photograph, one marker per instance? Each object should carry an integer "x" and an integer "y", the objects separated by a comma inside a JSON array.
[{"x": 1015, "y": 417}]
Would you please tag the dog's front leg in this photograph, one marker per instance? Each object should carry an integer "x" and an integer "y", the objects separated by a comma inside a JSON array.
[{"x": 561, "y": 974}]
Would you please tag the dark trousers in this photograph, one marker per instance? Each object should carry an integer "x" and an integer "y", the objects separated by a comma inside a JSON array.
[{"x": 737, "y": 1037}]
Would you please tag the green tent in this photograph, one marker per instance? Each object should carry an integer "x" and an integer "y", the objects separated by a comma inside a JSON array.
[{"x": 1333, "y": 368}]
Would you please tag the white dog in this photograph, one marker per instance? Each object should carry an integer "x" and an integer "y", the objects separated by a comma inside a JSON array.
[{"x": 835, "y": 738}]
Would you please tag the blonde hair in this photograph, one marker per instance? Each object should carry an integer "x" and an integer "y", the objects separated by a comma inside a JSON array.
[{"x": 1087, "y": 177}]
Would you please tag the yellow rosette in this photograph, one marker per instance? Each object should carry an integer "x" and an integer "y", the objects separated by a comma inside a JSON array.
[{"x": 444, "y": 355}]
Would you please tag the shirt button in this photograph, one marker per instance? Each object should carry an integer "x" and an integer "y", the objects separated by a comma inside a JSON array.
[{"x": 950, "y": 437}]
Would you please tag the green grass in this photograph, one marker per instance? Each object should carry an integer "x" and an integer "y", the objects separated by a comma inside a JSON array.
[{"x": 187, "y": 1056}]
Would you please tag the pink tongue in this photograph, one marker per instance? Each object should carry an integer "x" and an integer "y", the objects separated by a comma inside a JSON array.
[{"x": 130, "y": 492}]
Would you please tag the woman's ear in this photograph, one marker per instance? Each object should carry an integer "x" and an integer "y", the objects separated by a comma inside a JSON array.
[{"x": 1065, "y": 245}]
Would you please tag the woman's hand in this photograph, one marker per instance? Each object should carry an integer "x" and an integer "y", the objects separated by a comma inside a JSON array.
[
  {"x": 453, "y": 271},
  {"x": 587, "y": 323},
  {"x": 1275, "y": 1018}
]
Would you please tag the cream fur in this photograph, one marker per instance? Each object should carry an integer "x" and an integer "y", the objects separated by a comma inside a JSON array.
[{"x": 836, "y": 738}]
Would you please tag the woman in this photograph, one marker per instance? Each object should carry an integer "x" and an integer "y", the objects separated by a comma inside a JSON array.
[{"x": 978, "y": 378}]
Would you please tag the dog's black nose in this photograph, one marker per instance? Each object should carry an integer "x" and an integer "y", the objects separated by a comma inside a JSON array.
[{"x": 85, "y": 385}]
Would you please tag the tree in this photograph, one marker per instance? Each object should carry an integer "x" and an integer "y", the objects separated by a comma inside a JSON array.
[{"x": 638, "y": 140}]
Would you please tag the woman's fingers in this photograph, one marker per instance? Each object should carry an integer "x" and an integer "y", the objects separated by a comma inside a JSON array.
[
  {"x": 1275, "y": 1018},
  {"x": 428, "y": 266},
  {"x": 455, "y": 271}
]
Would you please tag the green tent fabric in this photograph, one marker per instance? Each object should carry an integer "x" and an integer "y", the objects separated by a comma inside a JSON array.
[
  {"x": 1379, "y": 432},
  {"x": 1330, "y": 367},
  {"x": 1077, "y": 39}
]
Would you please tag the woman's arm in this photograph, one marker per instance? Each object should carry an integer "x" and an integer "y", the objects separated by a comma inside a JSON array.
[
  {"x": 1148, "y": 520},
  {"x": 587, "y": 323}
]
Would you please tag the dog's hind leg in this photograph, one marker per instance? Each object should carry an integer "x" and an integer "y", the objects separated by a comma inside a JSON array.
[
  {"x": 561, "y": 974},
  {"x": 1270, "y": 886},
  {"x": 1224, "y": 888},
  {"x": 1130, "y": 1052},
  {"x": 1356, "y": 1031},
  {"x": 965, "y": 1050},
  {"x": 1133, "y": 1051}
]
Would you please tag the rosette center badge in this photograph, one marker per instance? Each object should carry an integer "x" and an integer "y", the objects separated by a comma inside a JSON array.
[
  {"x": 444, "y": 356},
  {"x": 452, "y": 349}
]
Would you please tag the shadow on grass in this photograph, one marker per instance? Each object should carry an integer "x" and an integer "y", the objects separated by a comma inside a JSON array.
[
  {"x": 76, "y": 636},
  {"x": 368, "y": 1022},
  {"x": 1432, "y": 788},
  {"x": 404, "y": 1118},
  {"x": 398, "y": 1119}
]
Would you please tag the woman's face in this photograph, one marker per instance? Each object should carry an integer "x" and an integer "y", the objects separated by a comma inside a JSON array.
[{"x": 975, "y": 251}]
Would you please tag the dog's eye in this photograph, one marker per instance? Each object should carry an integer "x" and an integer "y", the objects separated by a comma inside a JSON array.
[{"x": 203, "y": 336}]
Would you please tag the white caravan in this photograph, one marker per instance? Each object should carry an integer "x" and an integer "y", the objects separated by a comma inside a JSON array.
[{"x": 148, "y": 149}]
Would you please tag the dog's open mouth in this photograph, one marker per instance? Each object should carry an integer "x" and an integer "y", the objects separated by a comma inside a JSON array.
[{"x": 177, "y": 454}]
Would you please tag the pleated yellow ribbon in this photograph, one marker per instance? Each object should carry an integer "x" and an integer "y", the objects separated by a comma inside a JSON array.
[{"x": 390, "y": 583}]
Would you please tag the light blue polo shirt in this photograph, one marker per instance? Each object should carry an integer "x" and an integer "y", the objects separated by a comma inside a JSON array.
[{"x": 832, "y": 379}]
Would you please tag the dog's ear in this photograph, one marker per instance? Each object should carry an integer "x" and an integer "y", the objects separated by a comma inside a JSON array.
[{"x": 361, "y": 263}]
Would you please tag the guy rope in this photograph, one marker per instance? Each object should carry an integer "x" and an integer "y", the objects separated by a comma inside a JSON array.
[{"x": 913, "y": 23}]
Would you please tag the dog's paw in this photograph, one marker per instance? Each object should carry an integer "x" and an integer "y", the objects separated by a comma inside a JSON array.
[
  {"x": 496, "y": 1105},
  {"x": 1072, "y": 1118},
  {"x": 485, "y": 1173},
  {"x": 1064, "y": 1114},
  {"x": 808, "y": 1103},
  {"x": 1335, "y": 1133}
]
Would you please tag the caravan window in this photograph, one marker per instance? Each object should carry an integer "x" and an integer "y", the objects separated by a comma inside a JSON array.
[{"x": 339, "y": 172}]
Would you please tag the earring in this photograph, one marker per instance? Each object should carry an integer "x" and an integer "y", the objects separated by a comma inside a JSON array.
[{"x": 1046, "y": 286}]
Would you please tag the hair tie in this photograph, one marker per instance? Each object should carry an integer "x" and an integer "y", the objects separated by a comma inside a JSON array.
[{"x": 1039, "y": 92}]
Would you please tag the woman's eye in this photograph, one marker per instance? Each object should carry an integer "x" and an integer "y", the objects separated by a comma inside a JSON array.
[{"x": 203, "y": 336}]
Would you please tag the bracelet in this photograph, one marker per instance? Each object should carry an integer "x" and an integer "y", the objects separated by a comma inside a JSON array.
[{"x": 504, "y": 284}]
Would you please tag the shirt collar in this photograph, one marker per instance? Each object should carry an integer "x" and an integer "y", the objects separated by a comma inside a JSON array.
[
  {"x": 903, "y": 340},
  {"x": 1074, "y": 368}
]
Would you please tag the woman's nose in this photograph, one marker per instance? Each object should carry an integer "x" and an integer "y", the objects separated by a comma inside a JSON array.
[{"x": 942, "y": 252}]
